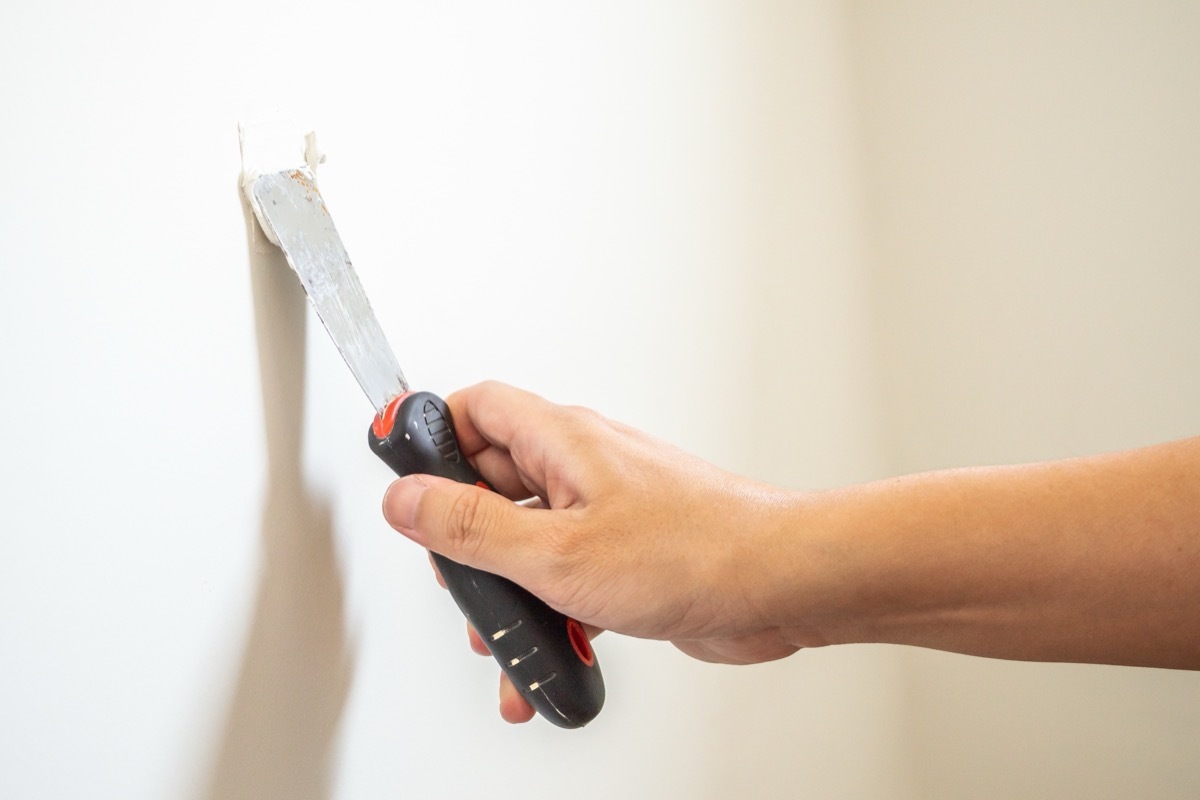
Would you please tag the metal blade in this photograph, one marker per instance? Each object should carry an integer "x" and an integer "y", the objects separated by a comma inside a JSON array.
[{"x": 293, "y": 214}]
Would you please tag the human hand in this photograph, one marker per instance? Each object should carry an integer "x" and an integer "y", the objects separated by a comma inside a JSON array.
[
  {"x": 624, "y": 532},
  {"x": 1035, "y": 562}
]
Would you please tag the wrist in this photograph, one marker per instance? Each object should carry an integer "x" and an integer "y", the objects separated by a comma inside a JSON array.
[{"x": 821, "y": 582}]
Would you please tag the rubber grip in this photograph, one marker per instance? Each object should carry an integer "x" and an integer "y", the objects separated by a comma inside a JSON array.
[{"x": 545, "y": 654}]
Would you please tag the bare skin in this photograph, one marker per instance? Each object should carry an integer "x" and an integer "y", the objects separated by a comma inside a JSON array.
[{"x": 1085, "y": 560}]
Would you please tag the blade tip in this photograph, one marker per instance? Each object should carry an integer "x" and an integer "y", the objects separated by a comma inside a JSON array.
[{"x": 273, "y": 144}]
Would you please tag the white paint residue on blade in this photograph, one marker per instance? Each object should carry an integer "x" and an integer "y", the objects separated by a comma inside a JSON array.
[
  {"x": 272, "y": 143},
  {"x": 290, "y": 208}
]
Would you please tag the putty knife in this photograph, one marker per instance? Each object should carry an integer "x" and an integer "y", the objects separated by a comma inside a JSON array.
[{"x": 545, "y": 654}]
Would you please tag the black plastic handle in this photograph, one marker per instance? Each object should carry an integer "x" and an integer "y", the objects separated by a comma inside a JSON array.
[{"x": 545, "y": 654}]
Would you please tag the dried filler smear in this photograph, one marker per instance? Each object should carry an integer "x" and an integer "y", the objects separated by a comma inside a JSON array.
[{"x": 274, "y": 143}]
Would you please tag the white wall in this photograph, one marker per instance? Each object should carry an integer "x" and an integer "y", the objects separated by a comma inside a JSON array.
[
  {"x": 199, "y": 597},
  {"x": 1034, "y": 187},
  {"x": 731, "y": 224}
]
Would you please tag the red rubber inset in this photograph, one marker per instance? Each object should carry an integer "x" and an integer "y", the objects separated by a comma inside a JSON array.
[
  {"x": 385, "y": 420},
  {"x": 579, "y": 641}
]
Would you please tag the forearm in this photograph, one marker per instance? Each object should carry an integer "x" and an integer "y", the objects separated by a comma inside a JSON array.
[{"x": 1090, "y": 560}]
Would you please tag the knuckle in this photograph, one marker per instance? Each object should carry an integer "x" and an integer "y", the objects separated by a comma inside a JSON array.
[
  {"x": 485, "y": 388},
  {"x": 490, "y": 385},
  {"x": 468, "y": 523},
  {"x": 575, "y": 580},
  {"x": 585, "y": 429},
  {"x": 571, "y": 549},
  {"x": 583, "y": 415},
  {"x": 562, "y": 545}
]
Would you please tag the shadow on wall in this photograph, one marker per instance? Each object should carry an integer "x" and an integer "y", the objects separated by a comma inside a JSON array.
[{"x": 297, "y": 664}]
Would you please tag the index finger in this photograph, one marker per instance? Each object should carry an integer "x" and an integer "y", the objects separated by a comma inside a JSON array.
[
  {"x": 493, "y": 414},
  {"x": 487, "y": 420}
]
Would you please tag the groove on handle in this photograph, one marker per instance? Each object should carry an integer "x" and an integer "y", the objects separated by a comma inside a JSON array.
[{"x": 545, "y": 654}]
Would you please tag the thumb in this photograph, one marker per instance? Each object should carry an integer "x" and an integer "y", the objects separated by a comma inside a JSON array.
[{"x": 465, "y": 523}]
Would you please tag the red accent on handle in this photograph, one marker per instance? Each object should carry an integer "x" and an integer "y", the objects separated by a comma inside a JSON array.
[
  {"x": 385, "y": 420},
  {"x": 579, "y": 640}
]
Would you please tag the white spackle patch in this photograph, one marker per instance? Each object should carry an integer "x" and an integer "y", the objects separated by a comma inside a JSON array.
[{"x": 274, "y": 143}]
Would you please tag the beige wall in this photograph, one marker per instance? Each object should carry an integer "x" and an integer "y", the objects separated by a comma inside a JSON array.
[{"x": 1033, "y": 184}]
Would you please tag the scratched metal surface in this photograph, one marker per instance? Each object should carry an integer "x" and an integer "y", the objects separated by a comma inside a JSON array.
[{"x": 290, "y": 204}]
